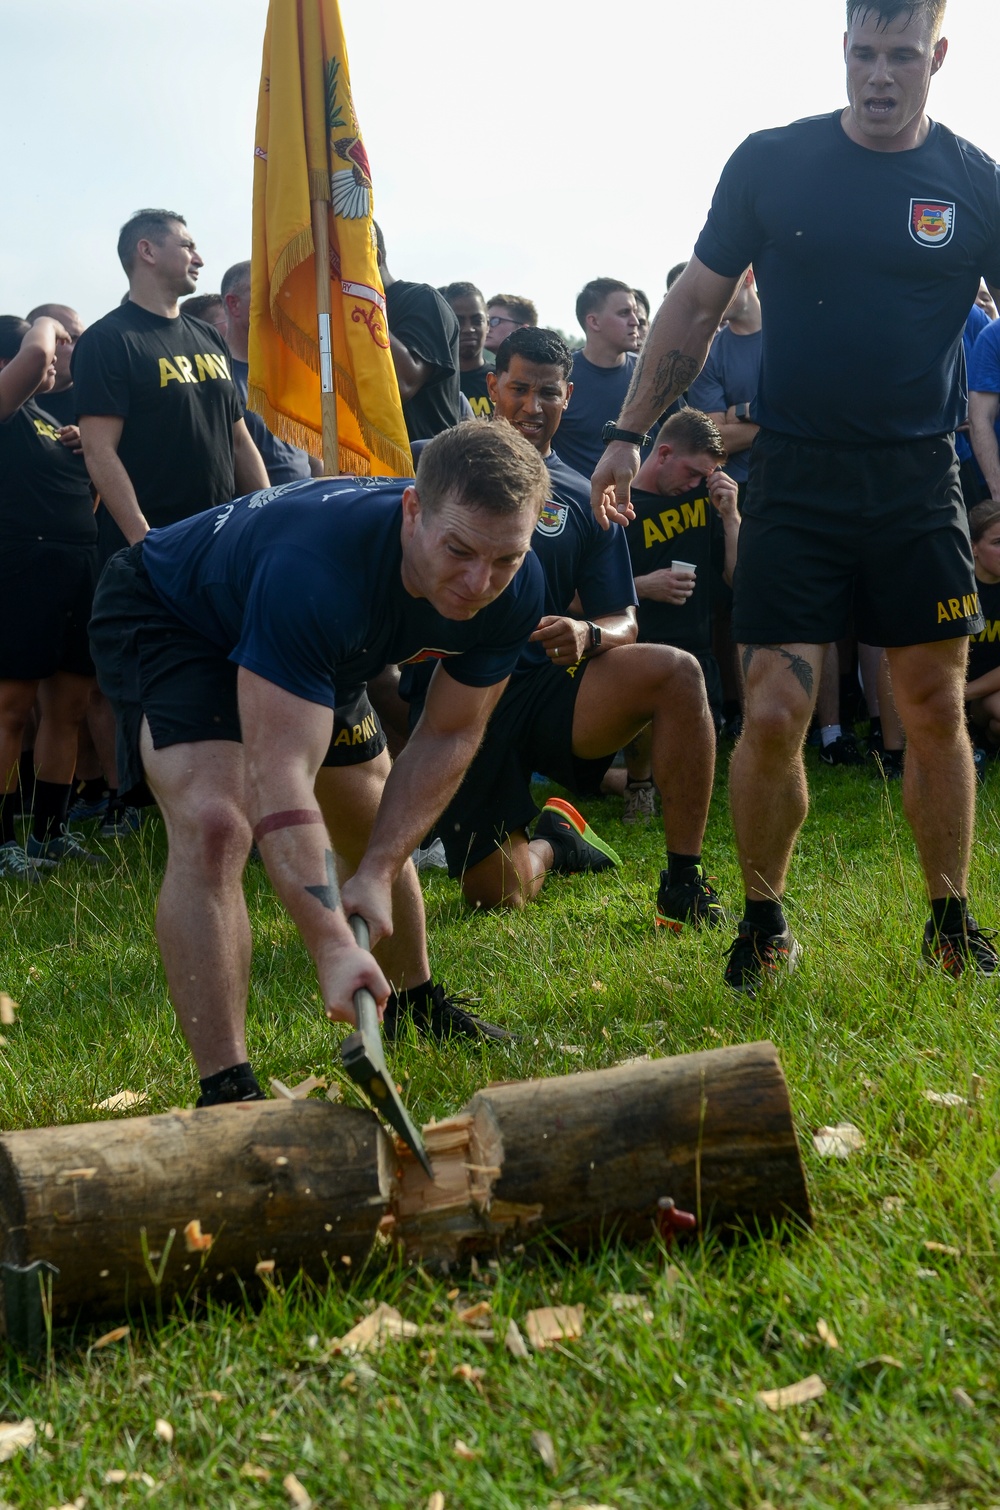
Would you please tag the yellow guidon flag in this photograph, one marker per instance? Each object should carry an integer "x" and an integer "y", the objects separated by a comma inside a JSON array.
[{"x": 320, "y": 370}]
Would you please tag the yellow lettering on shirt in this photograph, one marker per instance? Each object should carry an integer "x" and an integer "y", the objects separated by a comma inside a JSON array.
[
  {"x": 184, "y": 363},
  {"x": 168, "y": 373},
  {"x": 343, "y": 738},
  {"x": 693, "y": 514},
  {"x": 970, "y": 605},
  {"x": 43, "y": 428},
  {"x": 955, "y": 608},
  {"x": 990, "y": 634},
  {"x": 357, "y": 734},
  {"x": 651, "y": 535}
]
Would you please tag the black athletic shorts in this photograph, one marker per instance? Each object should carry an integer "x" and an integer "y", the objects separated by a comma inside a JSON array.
[
  {"x": 531, "y": 729},
  {"x": 46, "y": 590},
  {"x": 152, "y": 666},
  {"x": 879, "y": 530}
]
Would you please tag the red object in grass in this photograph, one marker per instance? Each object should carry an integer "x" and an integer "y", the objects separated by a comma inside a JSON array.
[{"x": 671, "y": 1220}]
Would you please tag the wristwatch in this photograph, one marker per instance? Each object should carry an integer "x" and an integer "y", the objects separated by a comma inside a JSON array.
[
  {"x": 595, "y": 636},
  {"x": 612, "y": 432}
]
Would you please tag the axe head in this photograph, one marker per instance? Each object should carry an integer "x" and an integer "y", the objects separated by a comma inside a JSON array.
[{"x": 364, "y": 1060}]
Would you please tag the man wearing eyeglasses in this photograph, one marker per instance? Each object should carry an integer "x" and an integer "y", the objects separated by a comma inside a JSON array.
[{"x": 506, "y": 313}]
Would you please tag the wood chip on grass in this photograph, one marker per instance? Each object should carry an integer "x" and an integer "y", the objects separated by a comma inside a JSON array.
[
  {"x": 543, "y": 1444},
  {"x": 550, "y": 1324},
  {"x": 297, "y": 1493},
  {"x": 8, "y": 1010},
  {"x": 15, "y": 1436},
  {"x": 298, "y": 1092},
  {"x": 800, "y": 1393},
  {"x": 120, "y": 1101},
  {"x": 383, "y": 1325},
  {"x": 839, "y": 1141}
]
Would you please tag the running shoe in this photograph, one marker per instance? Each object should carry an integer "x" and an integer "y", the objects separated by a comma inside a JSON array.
[
  {"x": 120, "y": 822},
  {"x": 640, "y": 802},
  {"x": 441, "y": 1017},
  {"x": 954, "y": 953},
  {"x": 83, "y": 809},
  {"x": 695, "y": 902},
  {"x": 575, "y": 845},
  {"x": 15, "y": 865},
  {"x": 65, "y": 846},
  {"x": 756, "y": 956},
  {"x": 889, "y": 765},
  {"x": 430, "y": 856},
  {"x": 843, "y": 751}
]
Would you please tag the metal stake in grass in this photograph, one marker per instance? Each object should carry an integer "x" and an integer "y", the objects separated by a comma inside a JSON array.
[{"x": 364, "y": 1060}]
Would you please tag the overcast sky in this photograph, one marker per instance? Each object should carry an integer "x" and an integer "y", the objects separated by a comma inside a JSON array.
[{"x": 528, "y": 148}]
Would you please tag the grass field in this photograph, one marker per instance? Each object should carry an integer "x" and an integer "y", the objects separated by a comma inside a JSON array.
[{"x": 641, "y": 1412}]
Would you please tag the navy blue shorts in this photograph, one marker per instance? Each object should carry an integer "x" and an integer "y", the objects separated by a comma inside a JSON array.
[{"x": 152, "y": 666}]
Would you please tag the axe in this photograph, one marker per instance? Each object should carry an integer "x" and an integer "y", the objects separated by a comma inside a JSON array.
[{"x": 362, "y": 1057}]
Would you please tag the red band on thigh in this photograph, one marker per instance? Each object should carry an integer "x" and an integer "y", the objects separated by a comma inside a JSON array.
[{"x": 292, "y": 817}]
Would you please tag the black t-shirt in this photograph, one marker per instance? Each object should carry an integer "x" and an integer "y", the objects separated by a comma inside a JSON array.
[
  {"x": 428, "y": 327},
  {"x": 665, "y": 530},
  {"x": 62, "y": 405},
  {"x": 984, "y": 648},
  {"x": 867, "y": 264},
  {"x": 44, "y": 488},
  {"x": 475, "y": 388},
  {"x": 170, "y": 382}
]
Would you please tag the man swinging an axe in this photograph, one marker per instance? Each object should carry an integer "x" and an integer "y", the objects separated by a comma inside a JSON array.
[{"x": 235, "y": 647}]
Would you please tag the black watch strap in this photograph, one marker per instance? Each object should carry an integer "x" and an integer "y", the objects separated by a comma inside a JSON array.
[
  {"x": 633, "y": 437},
  {"x": 595, "y": 636}
]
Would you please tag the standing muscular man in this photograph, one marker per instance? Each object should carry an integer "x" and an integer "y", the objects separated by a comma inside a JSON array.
[{"x": 853, "y": 493}]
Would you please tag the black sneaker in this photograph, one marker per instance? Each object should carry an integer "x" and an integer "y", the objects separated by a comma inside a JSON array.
[
  {"x": 441, "y": 1017},
  {"x": 576, "y": 845},
  {"x": 755, "y": 956},
  {"x": 889, "y": 765},
  {"x": 843, "y": 751},
  {"x": 694, "y": 902},
  {"x": 954, "y": 953}
]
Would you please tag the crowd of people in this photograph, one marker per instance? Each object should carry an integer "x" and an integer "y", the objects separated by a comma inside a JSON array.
[{"x": 607, "y": 560}]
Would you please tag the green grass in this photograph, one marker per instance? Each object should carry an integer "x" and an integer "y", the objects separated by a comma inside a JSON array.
[{"x": 641, "y": 1413}]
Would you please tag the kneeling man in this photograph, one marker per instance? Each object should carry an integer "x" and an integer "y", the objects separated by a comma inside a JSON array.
[
  {"x": 581, "y": 691},
  {"x": 235, "y": 647}
]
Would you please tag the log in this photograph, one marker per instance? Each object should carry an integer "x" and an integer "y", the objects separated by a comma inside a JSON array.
[
  {"x": 590, "y": 1155},
  {"x": 308, "y": 1185},
  {"x": 301, "y": 1185}
]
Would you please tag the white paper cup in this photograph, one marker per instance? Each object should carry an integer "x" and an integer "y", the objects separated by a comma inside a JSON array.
[{"x": 683, "y": 566}]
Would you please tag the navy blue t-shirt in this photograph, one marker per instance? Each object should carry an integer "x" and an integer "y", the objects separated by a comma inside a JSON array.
[
  {"x": 730, "y": 376},
  {"x": 301, "y": 584},
  {"x": 577, "y": 556},
  {"x": 867, "y": 263},
  {"x": 598, "y": 395},
  {"x": 284, "y": 463}
]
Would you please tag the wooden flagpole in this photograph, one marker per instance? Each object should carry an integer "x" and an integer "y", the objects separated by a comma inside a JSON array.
[{"x": 328, "y": 392}]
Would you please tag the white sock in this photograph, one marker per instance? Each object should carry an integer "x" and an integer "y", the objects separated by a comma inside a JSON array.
[{"x": 829, "y": 735}]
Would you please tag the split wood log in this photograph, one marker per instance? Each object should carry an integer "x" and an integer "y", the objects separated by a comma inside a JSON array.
[
  {"x": 155, "y": 1206},
  {"x": 591, "y": 1154},
  {"x": 193, "y": 1199}
]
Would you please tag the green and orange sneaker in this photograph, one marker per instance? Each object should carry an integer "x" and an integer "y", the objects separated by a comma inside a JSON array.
[{"x": 575, "y": 846}]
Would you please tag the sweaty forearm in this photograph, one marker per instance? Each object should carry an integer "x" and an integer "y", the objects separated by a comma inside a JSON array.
[
  {"x": 116, "y": 491},
  {"x": 674, "y": 354},
  {"x": 738, "y": 435}
]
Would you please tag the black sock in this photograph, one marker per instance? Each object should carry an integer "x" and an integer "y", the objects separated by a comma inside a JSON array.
[
  {"x": 682, "y": 867},
  {"x": 8, "y": 807},
  {"x": 949, "y": 914},
  {"x": 115, "y": 805},
  {"x": 90, "y": 790},
  {"x": 560, "y": 850},
  {"x": 767, "y": 917},
  {"x": 49, "y": 813},
  {"x": 413, "y": 996},
  {"x": 238, "y": 1083}
]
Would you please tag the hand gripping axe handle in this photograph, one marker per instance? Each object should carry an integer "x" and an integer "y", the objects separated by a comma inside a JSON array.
[{"x": 362, "y": 1057}]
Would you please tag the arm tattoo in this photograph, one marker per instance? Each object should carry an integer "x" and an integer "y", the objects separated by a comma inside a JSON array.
[
  {"x": 329, "y": 895},
  {"x": 674, "y": 372},
  {"x": 797, "y": 664}
]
